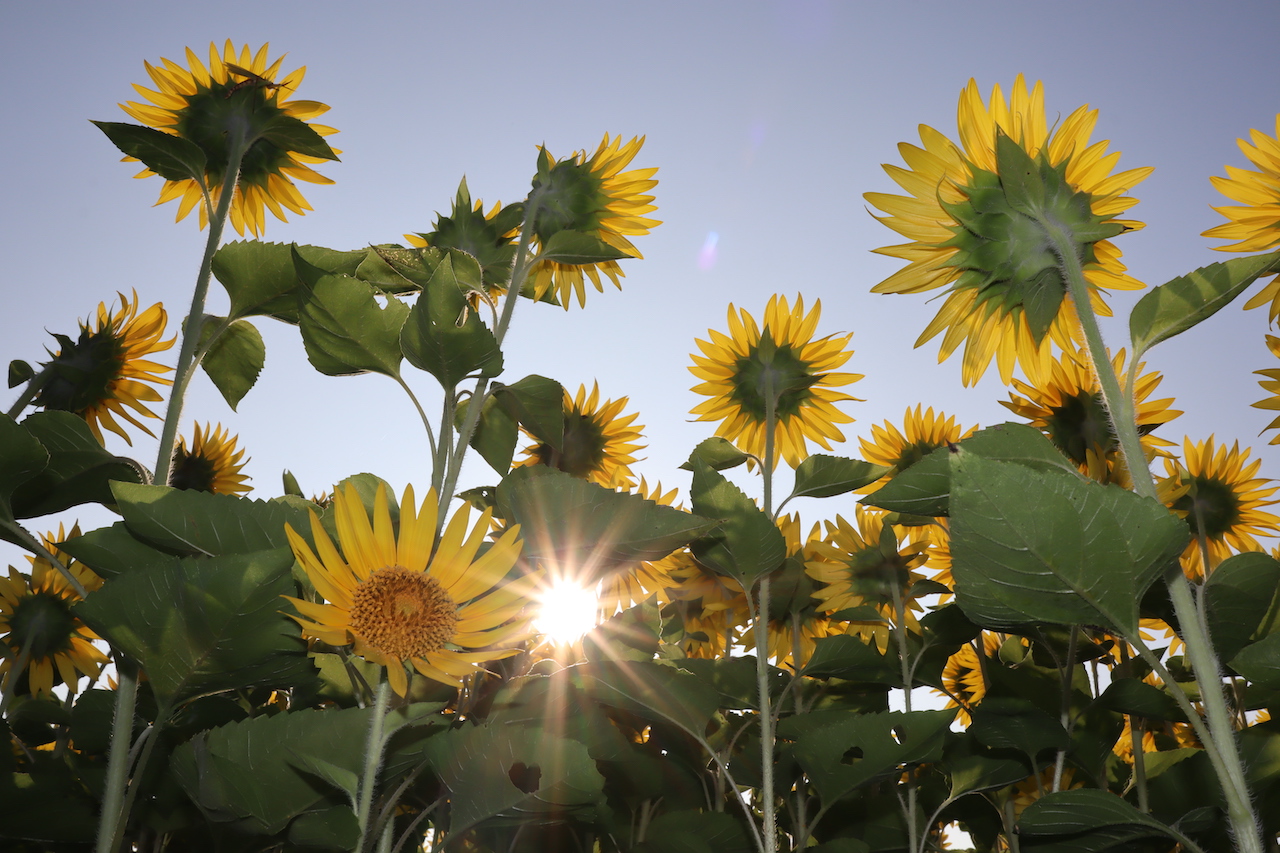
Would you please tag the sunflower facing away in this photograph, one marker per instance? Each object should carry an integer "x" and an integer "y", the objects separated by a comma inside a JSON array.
[
  {"x": 739, "y": 370},
  {"x": 1254, "y": 223},
  {"x": 1218, "y": 494},
  {"x": 487, "y": 237},
  {"x": 101, "y": 375},
  {"x": 399, "y": 601},
  {"x": 921, "y": 434},
  {"x": 199, "y": 103},
  {"x": 1067, "y": 406},
  {"x": 994, "y": 260},
  {"x": 592, "y": 195},
  {"x": 36, "y": 621},
  {"x": 211, "y": 464},
  {"x": 1272, "y": 385},
  {"x": 598, "y": 444}
]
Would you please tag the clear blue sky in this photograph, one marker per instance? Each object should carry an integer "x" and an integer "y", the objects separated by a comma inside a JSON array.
[{"x": 768, "y": 121}]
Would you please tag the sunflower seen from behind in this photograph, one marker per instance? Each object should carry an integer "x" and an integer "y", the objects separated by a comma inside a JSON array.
[
  {"x": 598, "y": 443},
  {"x": 106, "y": 373},
  {"x": 212, "y": 463},
  {"x": 398, "y": 598},
  {"x": 899, "y": 449},
  {"x": 1005, "y": 294},
  {"x": 238, "y": 89},
  {"x": 782, "y": 359}
]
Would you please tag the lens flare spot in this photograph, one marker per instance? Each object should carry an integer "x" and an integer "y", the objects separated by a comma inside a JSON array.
[
  {"x": 568, "y": 611},
  {"x": 708, "y": 254}
]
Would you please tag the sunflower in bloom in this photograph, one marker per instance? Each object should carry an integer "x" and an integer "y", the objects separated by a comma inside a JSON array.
[
  {"x": 740, "y": 370},
  {"x": 1217, "y": 492},
  {"x": 1254, "y": 223},
  {"x": 211, "y": 464},
  {"x": 598, "y": 443},
  {"x": 398, "y": 600},
  {"x": 962, "y": 675},
  {"x": 1006, "y": 294},
  {"x": 1067, "y": 406},
  {"x": 711, "y": 607},
  {"x": 1272, "y": 385},
  {"x": 921, "y": 434},
  {"x": 37, "y": 624},
  {"x": 594, "y": 196},
  {"x": 102, "y": 375},
  {"x": 200, "y": 104}
]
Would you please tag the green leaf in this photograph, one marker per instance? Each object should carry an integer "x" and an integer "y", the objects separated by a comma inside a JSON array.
[
  {"x": 1260, "y": 662},
  {"x": 445, "y": 337},
  {"x": 262, "y": 279},
  {"x": 537, "y": 403},
  {"x": 848, "y": 657},
  {"x": 1132, "y": 696},
  {"x": 192, "y": 523},
  {"x": 1048, "y": 546},
  {"x": 293, "y": 134},
  {"x": 841, "y": 752},
  {"x": 577, "y": 247},
  {"x": 171, "y": 157},
  {"x": 924, "y": 488},
  {"x": 1238, "y": 595},
  {"x": 113, "y": 550},
  {"x": 346, "y": 332},
  {"x": 574, "y": 523},
  {"x": 1009, "y": 723},
  {"x": 747, "y": 544},
  {"x": 495, "y": 435},
  {"x": 235, "y": 359},
  {"x": 204, "y": 625},
  {"x": 20, "y": 372},
  {"x": 973, "y": 773},
  {"x": 717, "y": 452},
  {"x": 1176, "y": 306},
  {"x": 735, "y": 679},
  {"x": 1099, "y": 816},
  {"x": 386, "y": 264},
  {"x": 653, "y": 691},
  {"x": 22, "y": 456},
  {"x": 822, "y": 476},
  {"x": 79, "y": 470},
  {"x": 678, "y": 831}
]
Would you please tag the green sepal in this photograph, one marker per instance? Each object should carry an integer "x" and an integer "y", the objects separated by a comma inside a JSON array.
[
  {"x": 570, "y": 522},
  {"x": 444, "y": 336},
  {"x": 747, "y": 545},
  {"x": 495, "y": 434},
  {"x": 204, "y": 625},
  {"x": 717, "y": 452},
  {"x": 171, "y": 157},
  {"x": 822, "y": 476},
  {"x": 537, "y": 403},
  {"x": 344, "y": 330},
  {"x": 1177, "y": 305},
  {"x": 20, "y": 372},
  {"x": 293, "y": 134},
  {"x": 1046, "y": 546},
  {"x": 577, "y": 247},
  {"x": 1024, "y": 186},
  {"x": 235, "y": 359},
  {"x": 79, "y": 469},
  {"x": 289, "y": 483}
]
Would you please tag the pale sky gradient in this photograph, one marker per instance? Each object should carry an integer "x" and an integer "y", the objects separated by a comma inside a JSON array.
[{"x": 768, "y": 120}]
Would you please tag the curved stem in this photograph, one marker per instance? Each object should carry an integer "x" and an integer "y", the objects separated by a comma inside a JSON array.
[
  {"x": 372, "y": 761},
  {"x": 426, "y": 422},
  {"x": 113, "y": 814},
  {"x": 187, "y": 361}
]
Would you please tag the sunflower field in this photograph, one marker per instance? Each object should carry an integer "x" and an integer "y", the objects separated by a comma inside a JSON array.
[{"x": 1059, "y": 633}]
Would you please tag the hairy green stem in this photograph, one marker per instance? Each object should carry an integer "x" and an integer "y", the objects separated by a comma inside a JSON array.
[
  {"x": 187, "y": 361},
  {"x": 769, "y": 830},
  {"x": 34, "y": 384},
  {"x": 426, "y": 422},
  {"x": 372, "y": 762},
  {"x": 904, "y": 660},
  {"x": 113, "y": 814}
]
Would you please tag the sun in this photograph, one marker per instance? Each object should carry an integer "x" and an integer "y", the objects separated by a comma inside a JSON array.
[{"x": 566, "y": 611}]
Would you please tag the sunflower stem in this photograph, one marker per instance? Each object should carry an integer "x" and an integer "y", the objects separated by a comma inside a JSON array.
[
  {"x": 10, "y": 683},
  {"x": 426, "y": 422},
  {"x": 904, "y": 659},
  {"x": 113, "y": 814},
  {"x": 769, "y": 831},
  {"x": 187, "y": 360},
  {"x": 34, "y": 384},
  {"x": 372, "y": 762}
]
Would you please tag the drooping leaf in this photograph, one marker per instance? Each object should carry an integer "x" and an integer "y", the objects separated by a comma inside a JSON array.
[
  {"x": 1094, "y": 820},
  {"x": 414, "y": 266},
  {"x": 495, "y": 434},
  {"x": 747, "y": 545},
  {"x": 1176, "y": 306},
  {"x": 1237, "y": 596},
  {"x": 1131, "y": 696},
  {"x": 22, "y": 456},
  {"x": 537, "y": 403},
  {"x": 695, "y": 832},
  {"x": 850, "y": 658},
  {"x": 735, "y": 679},
  {"x": 346, "y": 332},
  {"x": 444, "y": 336},
  {"x": 294, "y": 134},
  {"x": 261, "y": 278},
  {"x": 822, "y": 476},
  {"x": 79, "y": 469},
  {"x": 572, "y": 522},
  {"x": 653, "y": 691},
  {"x": 577, "y": 247},
  {"x": 235, "y": 359},
  {"x": 717, "y": 452},
  {"x": 1047, "y": 546},
  {"x": 1260, "y": 662},
  {"x": 973, "y": 773},
  {"x": 205, "y": 625},
  {"x": 1012, "y": 723},
  {"x": 190, "y": 522},
  {"x": 171, "y": 157}
]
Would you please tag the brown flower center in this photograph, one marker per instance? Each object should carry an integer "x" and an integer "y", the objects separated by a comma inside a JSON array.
[{"x": 403, "y": 614}]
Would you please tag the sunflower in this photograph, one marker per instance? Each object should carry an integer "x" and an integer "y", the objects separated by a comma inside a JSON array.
[
  {"x": 1002, "y": 274},
  {"x": 100, "y": 376},
  {"x": 592, "y": 195},
  {"x": 38, "y": 625},
  {"x": 212, "y": 464},
  {"x": 1217, "y": 493},
  {"x": 1271, "y": 384},
  {"x": 1255, "y": 225},
  {"x": 650, "y": 578},
  {"x": 598, "y": 442},
  {"x": 921, "y": 434},
  {"x": 400, "y": 600},
  {"x": 711, "y": 607},
  {"x": 487, "y": 237},
  {"x": 963, "y": 677},
  {"x": 1067, "y": 406},
  {"x": 200, "y": 104},
  {"x": 741, "y": 369}
]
